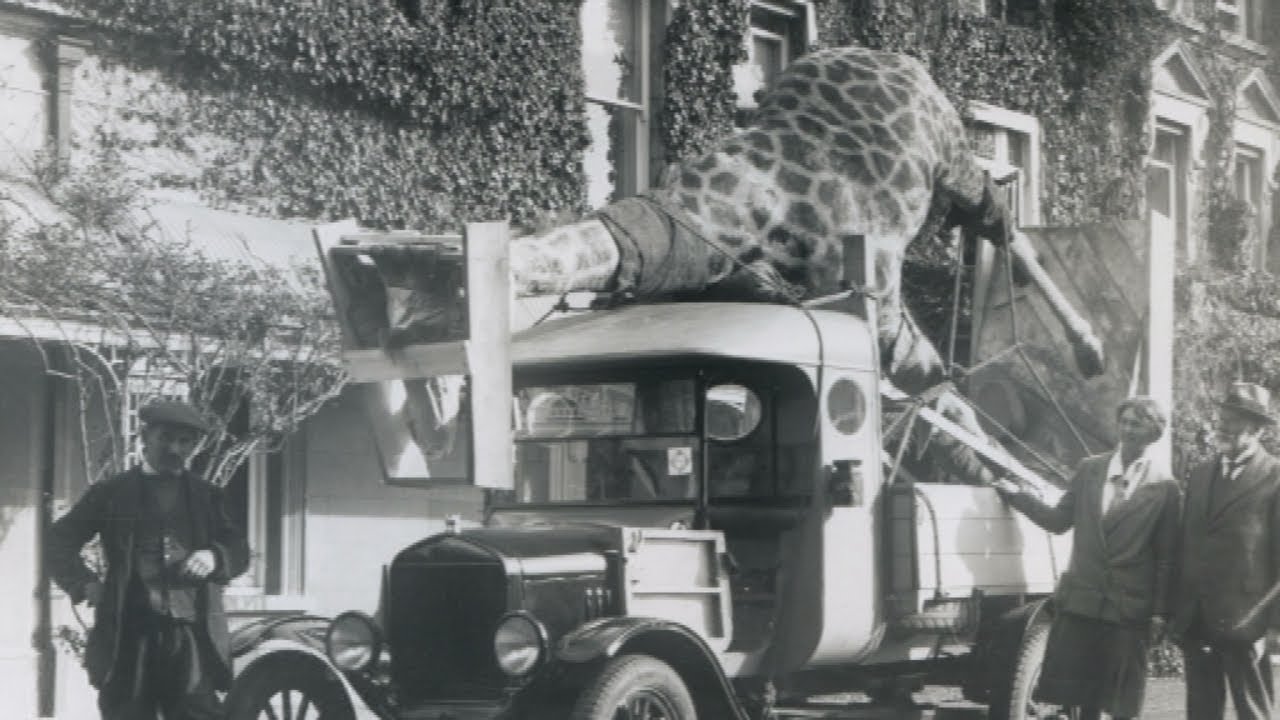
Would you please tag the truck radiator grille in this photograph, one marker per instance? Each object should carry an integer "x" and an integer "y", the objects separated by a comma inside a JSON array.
[{"x": 441, "y": 619}]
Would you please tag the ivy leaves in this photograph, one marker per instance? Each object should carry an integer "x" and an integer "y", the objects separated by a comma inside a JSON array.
[
  {"x": 473, "y": 111},
  {"x": 704, "y": 41}
]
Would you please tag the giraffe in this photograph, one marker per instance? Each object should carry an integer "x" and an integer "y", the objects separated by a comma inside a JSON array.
[{"x": 848, "y": 143}]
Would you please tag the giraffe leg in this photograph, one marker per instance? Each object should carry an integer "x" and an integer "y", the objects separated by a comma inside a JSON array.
[
  {"x": 978, "y": 206},
  {"x": 906, "y": 355},
  {"x": 1090, "y": 357}
]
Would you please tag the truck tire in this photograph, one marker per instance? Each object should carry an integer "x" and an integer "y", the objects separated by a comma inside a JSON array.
[
  {"x": 288, "y": 688},
  {"x": 635, "y": 687},
  {"x": 1012, "y": 700}
]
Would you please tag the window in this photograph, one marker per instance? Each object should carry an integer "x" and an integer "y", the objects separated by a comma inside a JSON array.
[
  {"x": 261, "y": 496},
  {"x": 1242, "y": 18},
  {"x": 779, "y": 32},
  {"x": 1179, "y": 113},
  {"x": 1248, "y": 184},
  {"x": 1008, "y": 144},
  {"x": 1257, "y": 137},
  {"x": 612, "y": 442},
  {"x": 1167, "y": 194},
  {"x": 1014, "y": 12},
  {"x": 615, "y": 64}
]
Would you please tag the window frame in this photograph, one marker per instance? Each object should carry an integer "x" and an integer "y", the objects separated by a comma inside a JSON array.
[
  {"x": 1248, "y": 16},
  {"x": 252, "y": 588},
  {"x": 1029, "y": 187},
  {"x": 1188, "y": 110},
  {"x": 800, "y": 19},
  {"x": 632, "y": 166},
  {"x": 1262, "y": 136},
  {"x": 1180, "y": 178}
]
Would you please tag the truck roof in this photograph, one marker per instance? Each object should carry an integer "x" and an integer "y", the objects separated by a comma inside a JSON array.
[{"x": 747, "y": 331}]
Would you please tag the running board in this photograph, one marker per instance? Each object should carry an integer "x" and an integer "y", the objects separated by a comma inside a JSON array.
[{"x": 881, "y": 711}]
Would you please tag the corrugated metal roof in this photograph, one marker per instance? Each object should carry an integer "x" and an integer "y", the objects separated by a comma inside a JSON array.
[
  {"x": 278, "y": 245},
  {"x": 226, "y": 235}
]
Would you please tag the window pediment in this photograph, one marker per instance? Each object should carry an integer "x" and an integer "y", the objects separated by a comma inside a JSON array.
[
  {"x": 1175, "y": 72},
  {"x": 1256, "y": 99}
]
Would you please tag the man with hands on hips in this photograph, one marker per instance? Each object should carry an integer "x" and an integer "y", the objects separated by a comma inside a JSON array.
[{"x": 160, "y": 641}]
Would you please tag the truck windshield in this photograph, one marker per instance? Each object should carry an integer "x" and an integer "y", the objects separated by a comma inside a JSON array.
[{"x": 630, "y": 441}]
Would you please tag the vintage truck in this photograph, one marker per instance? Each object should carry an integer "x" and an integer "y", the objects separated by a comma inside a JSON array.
[{"x": 707, "y": 517}]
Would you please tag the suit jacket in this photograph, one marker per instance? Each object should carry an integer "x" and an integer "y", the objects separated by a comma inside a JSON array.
[
  {"x": 1230, "y": 549},
  {"x": 110, "y": 510},
  {"x": 1122, "y": 564}
]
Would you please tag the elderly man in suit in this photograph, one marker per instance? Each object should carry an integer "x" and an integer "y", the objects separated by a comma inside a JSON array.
[
  {"x": 1114, "y": 597},
  {"x": 159, "y": 640},
  {"x": 1230, "y": 556}
]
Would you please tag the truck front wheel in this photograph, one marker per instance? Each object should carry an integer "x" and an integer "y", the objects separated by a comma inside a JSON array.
[
  {"x": 635, "y": 687},
  {"x": 288, "y": 688}
]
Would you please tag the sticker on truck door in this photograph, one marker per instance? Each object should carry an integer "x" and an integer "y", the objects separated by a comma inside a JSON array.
[{"x": 679, "y": 461}]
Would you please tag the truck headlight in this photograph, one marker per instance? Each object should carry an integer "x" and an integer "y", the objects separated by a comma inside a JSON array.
[
  {"x": 519, "y": 644},
  {"x": 353, "y": 642}
]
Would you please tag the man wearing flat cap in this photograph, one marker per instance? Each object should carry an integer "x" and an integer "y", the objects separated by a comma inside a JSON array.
[
  {"x": 1229, "y": 558},
  {"x": 160, "y": 641}
]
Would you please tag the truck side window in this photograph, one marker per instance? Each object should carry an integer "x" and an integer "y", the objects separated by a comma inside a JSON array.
[{"x": 739, "y": 455}]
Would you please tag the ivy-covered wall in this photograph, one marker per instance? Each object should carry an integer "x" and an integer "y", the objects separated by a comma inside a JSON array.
[{"x": 426, "y": 118}]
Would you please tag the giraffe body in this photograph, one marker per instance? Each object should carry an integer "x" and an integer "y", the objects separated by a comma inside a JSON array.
[{"x": 849, "y": 143}]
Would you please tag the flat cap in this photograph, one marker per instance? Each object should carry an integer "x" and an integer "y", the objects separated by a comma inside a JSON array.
[{"x": 172, "y": 412}]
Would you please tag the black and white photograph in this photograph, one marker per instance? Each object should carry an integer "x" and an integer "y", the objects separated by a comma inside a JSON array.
[{"x": 639, "y": 359}]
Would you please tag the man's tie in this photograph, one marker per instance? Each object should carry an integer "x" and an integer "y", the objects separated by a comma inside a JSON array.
[{"x": 1227, "y": 470}]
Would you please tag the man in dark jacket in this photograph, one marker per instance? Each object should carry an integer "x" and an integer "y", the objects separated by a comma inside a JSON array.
[
  {"x": 160, "y": 640},
  {"x": 1230, "y": 556}
]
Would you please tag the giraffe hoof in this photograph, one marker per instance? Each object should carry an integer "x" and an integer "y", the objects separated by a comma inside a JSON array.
[{"x": 1090, "y": 358}]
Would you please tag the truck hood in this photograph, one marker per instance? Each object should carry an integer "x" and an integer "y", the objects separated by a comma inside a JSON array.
[{"x": 527, "y": 550}]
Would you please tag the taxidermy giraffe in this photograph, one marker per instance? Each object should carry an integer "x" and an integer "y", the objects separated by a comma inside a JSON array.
[{"x": 849, "y": 142}]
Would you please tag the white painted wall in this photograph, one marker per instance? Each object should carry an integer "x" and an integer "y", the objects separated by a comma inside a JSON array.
[
  {"x": 25, "y": 122},
  {"x": 21, "y": 416}
]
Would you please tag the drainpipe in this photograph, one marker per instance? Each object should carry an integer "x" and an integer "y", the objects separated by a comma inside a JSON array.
[{"x": 46, "y": 656}]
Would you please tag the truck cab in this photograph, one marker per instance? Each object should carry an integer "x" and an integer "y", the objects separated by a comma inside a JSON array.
[{"x": 705, "y": 520}]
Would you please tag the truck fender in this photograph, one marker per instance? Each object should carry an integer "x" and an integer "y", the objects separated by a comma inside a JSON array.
[
  {"x": 591, "y": 645},
  {"x": 305, "y": 630},
  {"x": 278, "y": 647},
  {"x": 998, "y": 642}
]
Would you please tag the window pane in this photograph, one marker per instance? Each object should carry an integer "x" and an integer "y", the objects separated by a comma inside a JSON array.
[
  {"x": 620, "y": 469},
  {"x": 983, "y": 139},
  {"x": 769, "y": 55},
  {"x": 1253, "y": 10},
  {"x": 610, "y": 49},
  {"x": 1165, "y": 148},
  {"x": 610, "y": 160}
]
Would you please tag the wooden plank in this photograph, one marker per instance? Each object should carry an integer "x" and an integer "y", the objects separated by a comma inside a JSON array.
[
  {"x": 488, "y": 354},
  {"x": 413, "y": 361}
]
